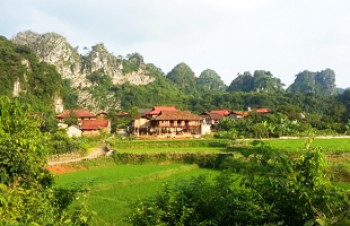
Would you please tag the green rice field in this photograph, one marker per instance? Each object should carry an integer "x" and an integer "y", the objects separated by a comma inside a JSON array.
[
  {"x": 332, "y": 145},
  {"x": 112, "y": 188}
]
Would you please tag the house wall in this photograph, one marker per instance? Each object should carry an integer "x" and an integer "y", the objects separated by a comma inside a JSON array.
[
  {"x": 73, "y": 131},
  {"x": 140, "y": 123},
  {"x": 205, "y": 129},
  {"x": 91, "y": 133}
]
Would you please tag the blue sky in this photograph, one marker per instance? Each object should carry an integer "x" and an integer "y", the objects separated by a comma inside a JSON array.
[{"x": 228, "y": 36}]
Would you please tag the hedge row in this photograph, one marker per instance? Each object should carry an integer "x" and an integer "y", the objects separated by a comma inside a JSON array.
[
  {"x": 212, "y": 161},
  {"x": 124, "y": 144}
]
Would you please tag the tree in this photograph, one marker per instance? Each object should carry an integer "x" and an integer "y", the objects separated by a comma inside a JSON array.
[
  {"x": 27, "y": 196},
  {"x": 71, "y": 119}
]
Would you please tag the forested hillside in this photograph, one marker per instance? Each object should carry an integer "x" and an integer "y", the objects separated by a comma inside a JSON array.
[{"x": 23, "y": 76}]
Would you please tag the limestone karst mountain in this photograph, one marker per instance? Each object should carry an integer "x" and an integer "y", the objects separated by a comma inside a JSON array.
[
  {"x": 54, "y": 49},
  {"x": 319, "y": 83}
]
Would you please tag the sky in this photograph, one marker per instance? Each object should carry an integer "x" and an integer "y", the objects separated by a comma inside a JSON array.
[{"x": 284, "y": 37}]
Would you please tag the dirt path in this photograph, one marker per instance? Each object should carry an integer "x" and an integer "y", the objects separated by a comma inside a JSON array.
[{"x": 76, "y": 157}]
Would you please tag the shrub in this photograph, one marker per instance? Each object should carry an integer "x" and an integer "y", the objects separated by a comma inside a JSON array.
[{"x": 285, "y": 191}]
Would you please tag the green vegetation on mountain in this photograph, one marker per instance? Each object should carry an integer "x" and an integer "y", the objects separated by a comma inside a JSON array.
[
  {"x": 132, "y": 63},
  {"x": 24, "y": 77},
  {"x": 265, "y": 82},
  {"x": 184, "y": 78},
  {"x": 261, "y": 81},
  {"x": 19, "y": 64},
  {"x": 319, "y": 83},
  {"x": 210, "y": 81},
  {"x": 159, "y": 92},
  {"x": 244, "y": 82}
]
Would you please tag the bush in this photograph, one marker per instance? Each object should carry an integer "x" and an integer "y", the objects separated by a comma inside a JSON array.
[
  {"x": 284, "y": 191},
  {"x": 27, "y": 195}
]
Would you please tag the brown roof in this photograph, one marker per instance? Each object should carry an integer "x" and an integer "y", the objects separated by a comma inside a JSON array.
[
  {"x": 213, "y": 116},
  {"x": 78, "y": 113},
  {"x": 157, "y": 109},
  {"x": 241, "y": 113},
  {"x": 177, "y": 115},
  {"x": 94, "y": 124},
  {"x": 223, "y": 112}
]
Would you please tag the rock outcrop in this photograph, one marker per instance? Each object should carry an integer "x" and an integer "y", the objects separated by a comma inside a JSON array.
[{"x": 54, "y": 49}]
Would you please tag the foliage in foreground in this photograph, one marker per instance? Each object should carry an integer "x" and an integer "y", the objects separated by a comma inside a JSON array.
[
  {"x": 26, "y": 193},
  {"x": 285, "y": 191}
]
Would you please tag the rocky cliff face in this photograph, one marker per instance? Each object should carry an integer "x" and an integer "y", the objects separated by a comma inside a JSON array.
[{"x": 54, "y": 49}]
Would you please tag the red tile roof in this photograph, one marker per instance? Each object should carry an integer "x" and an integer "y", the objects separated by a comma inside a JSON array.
[
  {"x": 262, "y": 110},
  {"x": 78, "y": 113},
  {"x": 157, "y": 109},
  {"x": 222, "y": 112},
  {"x": 97, "y": 124},
  {"x": 241, "y": 113},
  {"x": 177, "y": 115}
]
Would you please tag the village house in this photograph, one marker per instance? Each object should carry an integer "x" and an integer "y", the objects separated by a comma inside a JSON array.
[
  {"x": 79, "y": 114},
  {"x": 94, "y": 127},
  {"x": 171, "y": 122},
  {"x": 211, "y": 119},
  {"x": 140, "y": 125},
  {"x": 166, "y": 121},
  {"x": 87, "y": 124},
  {"x": 263, "y": 110},
  {"x": 176, "y": 123},
  {"x": 238, "y": 114},
  {"x": 222, "y": 112}
]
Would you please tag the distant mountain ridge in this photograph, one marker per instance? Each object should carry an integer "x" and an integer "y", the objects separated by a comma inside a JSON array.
[{"x": 99, "y": 80}]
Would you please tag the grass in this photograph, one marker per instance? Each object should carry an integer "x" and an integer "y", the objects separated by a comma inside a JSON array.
[{"x": 112, "y": 188}]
